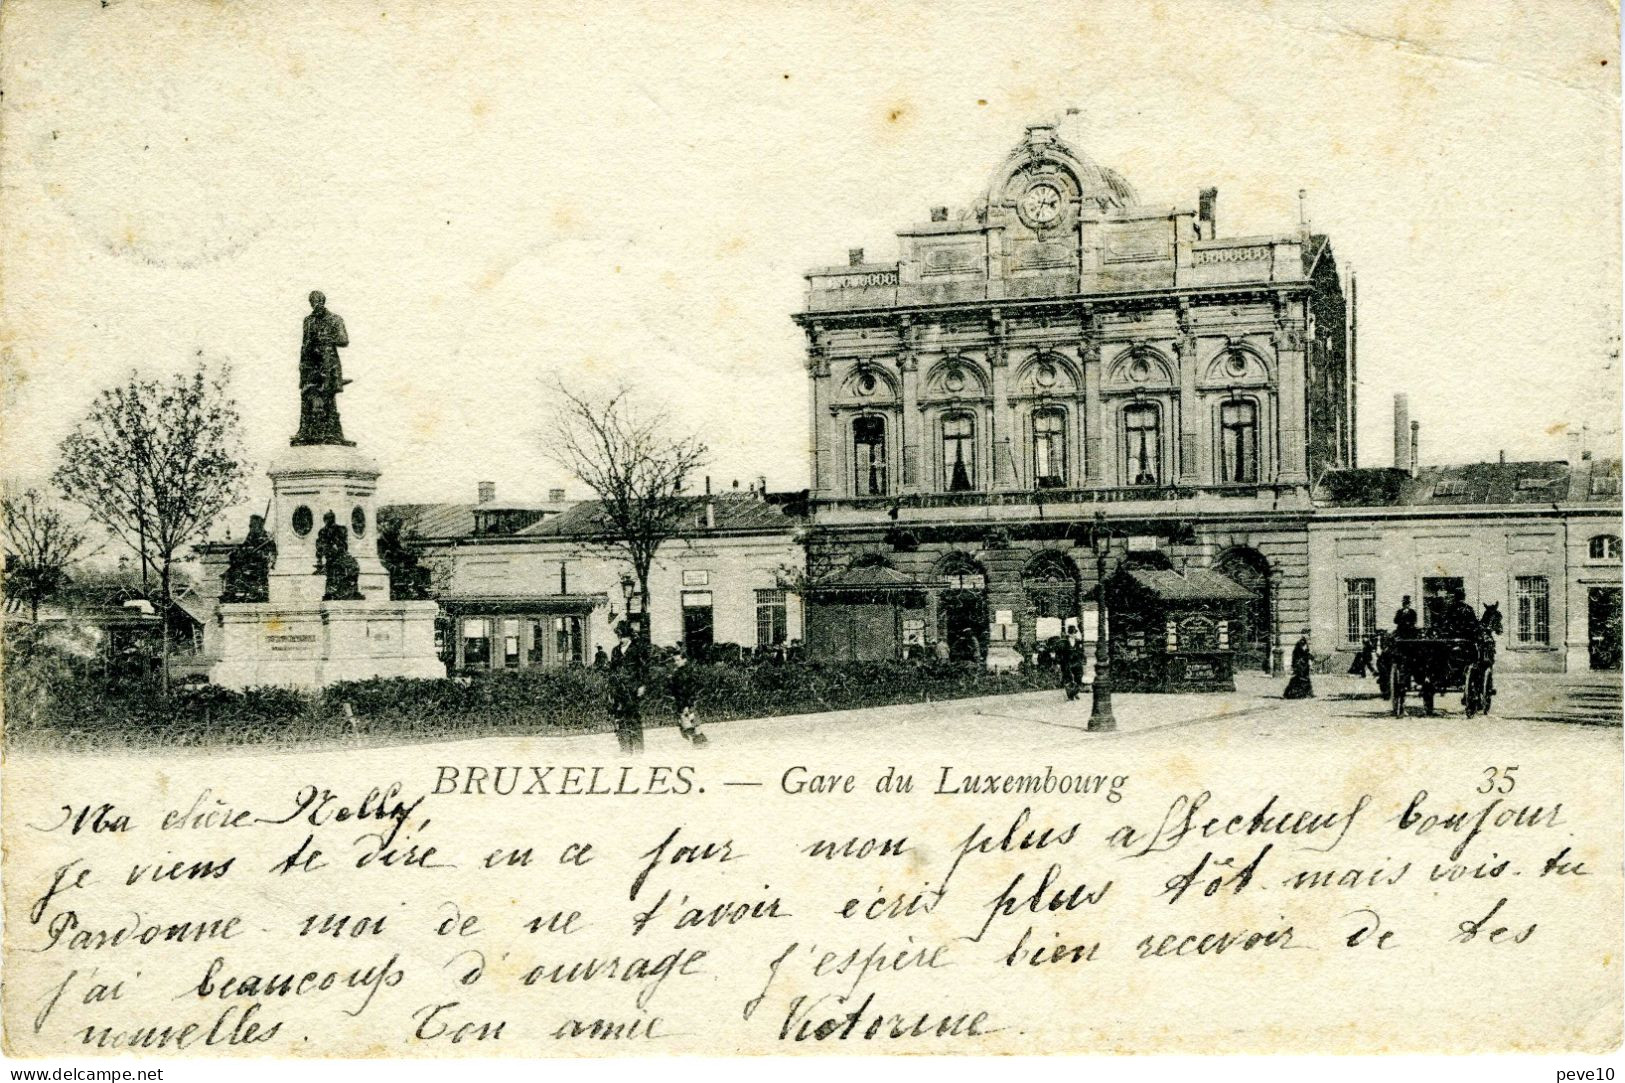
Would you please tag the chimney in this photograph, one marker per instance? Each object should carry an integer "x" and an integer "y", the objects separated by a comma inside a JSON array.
[
  {"x": 1503, "y": 459},
  {"x": 1402, "y": 427},
  {"x": 939, "y": 214},
  {"x": 1206, "y": 223},
  {"x": 854, "y": 256},
  {"x": 555, "y": 496},
  {"x": 488, "y": 491},
  {"x": 1303, "y": 211},
  {"x": 1416, "y": 455},
  {"x": 1576, "y": 452}
]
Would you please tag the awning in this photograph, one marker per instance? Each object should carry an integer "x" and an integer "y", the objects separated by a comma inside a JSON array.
[
  {"x": 1195, "y": 585},
  {"x": 470, "y": 602}
]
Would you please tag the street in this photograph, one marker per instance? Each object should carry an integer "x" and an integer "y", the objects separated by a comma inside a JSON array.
[{"x": 1581, "y": 710}]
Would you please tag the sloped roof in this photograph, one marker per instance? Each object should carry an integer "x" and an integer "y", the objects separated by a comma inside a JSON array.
[
  {"x": 1466, "y": 484},
  {"x": 733, "y": 512},
  {"x": 432, "y": 520},
  {"x": 872, "y": 577},
  {"x": 1194, "y": 585}
]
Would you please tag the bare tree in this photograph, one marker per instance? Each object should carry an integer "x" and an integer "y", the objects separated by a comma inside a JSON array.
[
  {"x": 41, "y": 543},
  {"x": 635, "y": 467},
  {"x": 157, "y": 462}
]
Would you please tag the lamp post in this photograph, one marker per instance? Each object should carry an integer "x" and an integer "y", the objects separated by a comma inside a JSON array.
[
  {"x": 628, "y": 585},
  {"x": 1101, "y": 719}
]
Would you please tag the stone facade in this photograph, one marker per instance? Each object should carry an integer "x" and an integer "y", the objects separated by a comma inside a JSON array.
[
  {"x": 1061, "y": 362},
  {"x": 1541, "y": 540}
]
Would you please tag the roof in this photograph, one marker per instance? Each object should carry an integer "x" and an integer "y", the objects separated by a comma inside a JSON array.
[
  {"x": 1470, "y": 484},
  {"x": 1194, "y": 585},
  {"x": 872, "y": 577},
  {"x": 735, "y": 512},
  {"x": 732, "y": 511}
]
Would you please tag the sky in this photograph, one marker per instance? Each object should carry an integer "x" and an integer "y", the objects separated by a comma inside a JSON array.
[{"x": 497, "y": 196}]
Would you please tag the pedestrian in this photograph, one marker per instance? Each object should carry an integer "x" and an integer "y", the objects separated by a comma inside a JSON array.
[
  {"x": 626, "y": 690},
  {"x": 1363, "y": 664},
  {"x": 600, "y": 660},
  {"x": 940, "y": 649},
  {"x": 684, "y": 693},
  {"x": 1077, "y": 657},
  {"x": 1299, "y": 687}
]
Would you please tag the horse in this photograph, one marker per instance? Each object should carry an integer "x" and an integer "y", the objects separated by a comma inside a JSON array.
[{"x": 1479, "y": 687}]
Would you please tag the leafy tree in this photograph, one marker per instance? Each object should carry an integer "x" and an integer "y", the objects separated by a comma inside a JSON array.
[
  {"x": 157, "y": 461},
  {"x": 41, "y": 543},
  {"x": 636, "y": 467}
]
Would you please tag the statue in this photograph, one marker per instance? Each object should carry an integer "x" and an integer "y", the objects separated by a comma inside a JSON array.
[
  {"x": 321, "y": 376},
  {"x": 333, "y": 559},
  {"x": 248, "y": 572}
]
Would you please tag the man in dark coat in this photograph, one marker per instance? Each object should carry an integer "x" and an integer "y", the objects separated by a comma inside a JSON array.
[
  {"x": 1405, "y": 620},
  {"x": 321, "y": 376},
  {"x": 1299, "y": 687},
  {"x": 626, "y": 690}
]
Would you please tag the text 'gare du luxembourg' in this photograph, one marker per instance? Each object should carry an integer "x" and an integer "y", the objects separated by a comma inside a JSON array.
[{"x": 1058, "y": 381}]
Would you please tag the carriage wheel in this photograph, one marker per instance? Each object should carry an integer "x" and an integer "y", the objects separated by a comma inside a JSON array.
[
  {"x": 1398, "y": 681},
  {"x": 1427, "y": 697}
]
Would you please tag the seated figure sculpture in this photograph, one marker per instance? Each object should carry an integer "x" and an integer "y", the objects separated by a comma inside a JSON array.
[
  {"x": 249, "y": 568},
  {"x": 333, "y": 560}
]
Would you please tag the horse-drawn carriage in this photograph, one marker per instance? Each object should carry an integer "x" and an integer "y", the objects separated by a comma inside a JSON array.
[{"x": 1430, "y": 664}]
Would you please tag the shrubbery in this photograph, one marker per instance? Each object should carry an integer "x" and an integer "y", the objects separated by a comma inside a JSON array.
[{"x": 51, "y": 701}]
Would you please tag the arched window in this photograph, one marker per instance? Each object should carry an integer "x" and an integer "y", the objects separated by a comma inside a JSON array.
[
  {"x": 1049, "y": 448},
  {"x": 1142, "y": 444},
  {"x": 1605, "y": 547},
  {"x": 869, "y": 456},
  {"x": 1238, "y": 442},
  {"x": 959, "y": 452}
]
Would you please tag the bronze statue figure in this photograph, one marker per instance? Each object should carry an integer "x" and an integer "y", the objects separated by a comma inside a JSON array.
[
  {"x": 333, "y": 560},
  {"x": 321, "y": 375},
  {"x": 248, "y": 571}
]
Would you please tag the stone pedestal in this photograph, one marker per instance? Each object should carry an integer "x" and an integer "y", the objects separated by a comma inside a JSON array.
[{"x": 297, "y": 639}]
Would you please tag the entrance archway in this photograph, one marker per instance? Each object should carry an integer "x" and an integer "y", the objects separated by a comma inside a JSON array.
[
  {"x": 962, "y": 606},
  {"x": 1247, "y": 568},
  {"x": 1053, "y": 590}
]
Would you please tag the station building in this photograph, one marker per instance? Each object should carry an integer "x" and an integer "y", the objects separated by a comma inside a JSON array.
[{"x": 1058, "y": 367}]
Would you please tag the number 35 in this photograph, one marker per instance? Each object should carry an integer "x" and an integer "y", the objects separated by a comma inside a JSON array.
[{"x": 1498, "y": 780}]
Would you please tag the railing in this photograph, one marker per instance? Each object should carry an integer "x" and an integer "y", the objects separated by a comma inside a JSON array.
[{"x": 1036, "y": 497}]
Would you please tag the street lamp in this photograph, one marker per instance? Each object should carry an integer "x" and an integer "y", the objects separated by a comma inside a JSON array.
[{"x": 1101, "y": 719}]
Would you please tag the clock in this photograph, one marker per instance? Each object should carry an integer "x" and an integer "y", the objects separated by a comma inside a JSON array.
[{"x": 1041, "y": 204}]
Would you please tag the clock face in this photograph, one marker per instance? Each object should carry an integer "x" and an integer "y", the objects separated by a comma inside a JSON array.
[{"x": 1041, "y": 204}]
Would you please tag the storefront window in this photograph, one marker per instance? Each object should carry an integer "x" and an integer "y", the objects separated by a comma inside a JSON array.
[{"x": 476, "y": 643}]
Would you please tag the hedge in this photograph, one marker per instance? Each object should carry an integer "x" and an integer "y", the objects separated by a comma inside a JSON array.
[{"x": 50, "y": 702}]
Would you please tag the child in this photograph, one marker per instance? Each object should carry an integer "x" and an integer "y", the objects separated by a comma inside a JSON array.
[{"x": 684, "y": 691}]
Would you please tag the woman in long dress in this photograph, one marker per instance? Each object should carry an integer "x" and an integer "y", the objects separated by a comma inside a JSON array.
[{"x": 1299, "y": 687}]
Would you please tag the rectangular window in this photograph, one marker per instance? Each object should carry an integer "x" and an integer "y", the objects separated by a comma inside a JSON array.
[
  {"x": 869, "y": 456},
  {"x": 537, "y": 628},
  {"x": 1360, "y": 609},
  {"x": 1049, "y": 449},
  {"x": 1238, "y": 442},
  {"x": 1534, "y": 610},
  {"x": 476, "y": 643},
  {"x": 958, "y": 453},
  {"x": 567, "y": 647},
  {"x": 1142, "y": 444},
  {"x": 772, "y": 623},
  {"x": 1437, "y": 593},
  {"x": 510, "y": 643}
]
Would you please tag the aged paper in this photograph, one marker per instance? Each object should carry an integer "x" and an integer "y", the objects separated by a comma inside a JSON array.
[{"x": 627, "y": 530}]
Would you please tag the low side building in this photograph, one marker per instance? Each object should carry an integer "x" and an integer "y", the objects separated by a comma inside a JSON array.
[
  {"x": 552, "y": 591},
  {"x": 1539, "y": 539}
]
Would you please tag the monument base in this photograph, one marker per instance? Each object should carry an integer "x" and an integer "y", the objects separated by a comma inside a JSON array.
[{"x": 310, "y": 645}]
